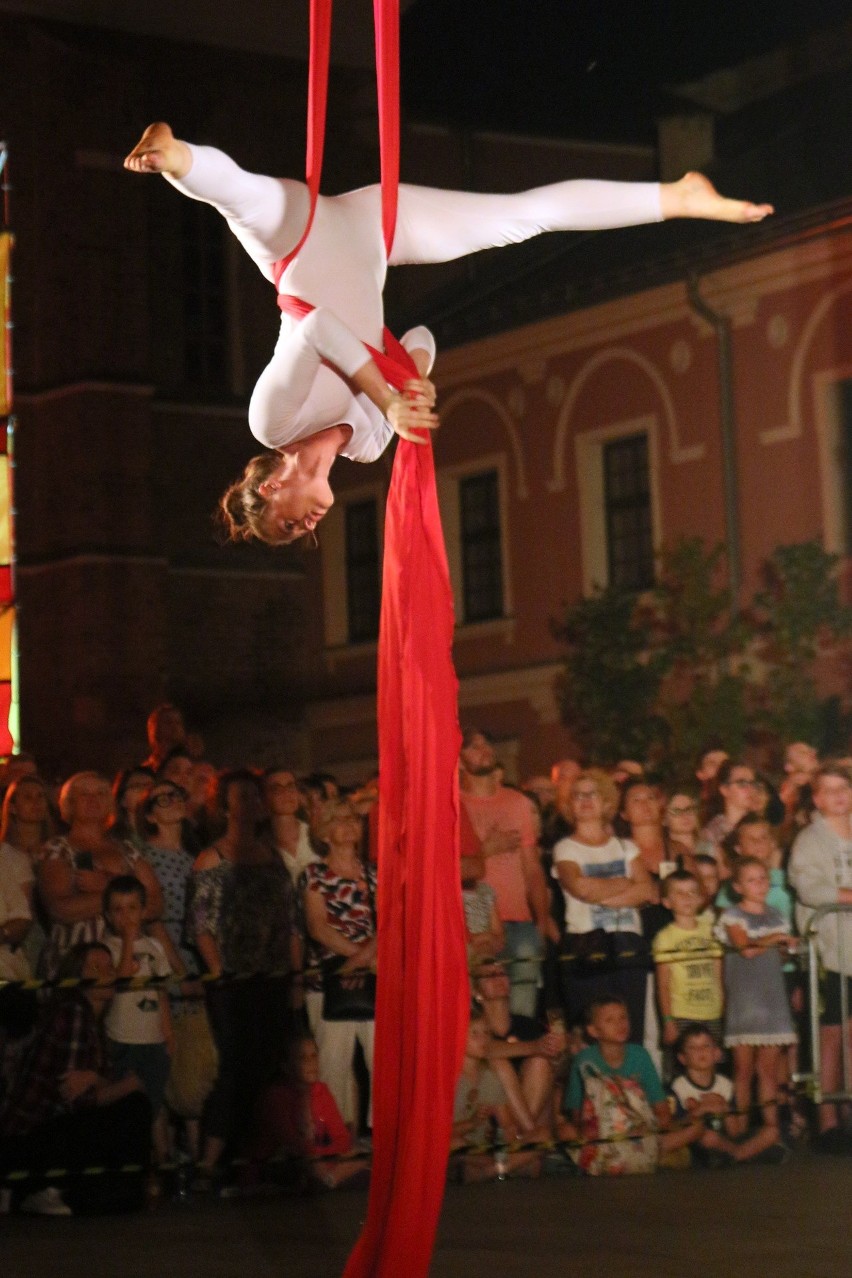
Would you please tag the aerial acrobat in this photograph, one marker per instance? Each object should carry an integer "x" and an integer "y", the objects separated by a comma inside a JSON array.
[{"x": 322, "y": 395}]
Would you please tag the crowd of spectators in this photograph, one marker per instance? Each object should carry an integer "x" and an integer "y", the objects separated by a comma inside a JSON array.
[{"x": 636, "y": 994}]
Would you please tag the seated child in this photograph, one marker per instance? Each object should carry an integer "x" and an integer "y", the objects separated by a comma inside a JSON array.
[
  {"x": 615, "y": 1102},
  {"x": 486, "y": 1105},
  {"x": 298, "y": 1118},
  {"x": 700, "y": 1092},
  {"x": 138, "y": 1024},
  {"x": 688, "y": 964}
]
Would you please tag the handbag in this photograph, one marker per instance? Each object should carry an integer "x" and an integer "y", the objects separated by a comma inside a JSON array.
[
  {"x": 617, "y": 1127},
  {"x": 195, "y": 1062},
  {"x": 347, "y": 998}
]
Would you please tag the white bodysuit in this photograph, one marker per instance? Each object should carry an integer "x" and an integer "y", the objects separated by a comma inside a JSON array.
[{"x": 341, "y": 270}]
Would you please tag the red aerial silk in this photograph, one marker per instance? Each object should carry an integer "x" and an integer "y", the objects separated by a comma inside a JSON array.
[{"x": 423, "y": 992}]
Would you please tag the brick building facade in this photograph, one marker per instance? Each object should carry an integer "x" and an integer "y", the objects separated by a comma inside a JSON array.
[{"x": 140, "y": 329}]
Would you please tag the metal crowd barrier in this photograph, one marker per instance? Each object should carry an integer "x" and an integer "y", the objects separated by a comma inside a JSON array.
[{"x": 813, "y": 1079}]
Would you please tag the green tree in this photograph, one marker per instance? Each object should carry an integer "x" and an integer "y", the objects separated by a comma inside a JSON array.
[
  {"x": 702, "y": 647},
  {"x": 799, "y": 621},
  {"x": 661, "y": 673},
  {"x": 611, "y": 680}
]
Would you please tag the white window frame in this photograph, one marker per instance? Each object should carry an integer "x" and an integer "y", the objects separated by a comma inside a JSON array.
[
  {"x": 449, "y": 499},
  {"x": 589, "y": 453},
  {"x": 829, "y": 436},
  {"x": 332, "y": 535}
]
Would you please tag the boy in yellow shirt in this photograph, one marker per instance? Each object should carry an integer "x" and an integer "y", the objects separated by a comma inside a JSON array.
[{"x": 688, "y": 964}]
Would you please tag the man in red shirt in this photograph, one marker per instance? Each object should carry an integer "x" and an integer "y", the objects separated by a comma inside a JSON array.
[{"x": 506, "y": 824}]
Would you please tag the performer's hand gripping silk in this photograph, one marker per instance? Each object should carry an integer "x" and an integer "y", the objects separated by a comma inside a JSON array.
[{"x": 321, "y": 395}]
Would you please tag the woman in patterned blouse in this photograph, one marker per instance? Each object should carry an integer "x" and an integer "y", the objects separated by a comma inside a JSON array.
[{"x": 338, "y": 894}]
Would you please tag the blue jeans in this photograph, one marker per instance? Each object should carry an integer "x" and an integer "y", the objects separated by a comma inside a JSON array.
[{"x": 522, "y": 954}]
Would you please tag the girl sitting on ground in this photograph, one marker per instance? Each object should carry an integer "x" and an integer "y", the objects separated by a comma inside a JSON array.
[{"x": 298, "y": 1118}]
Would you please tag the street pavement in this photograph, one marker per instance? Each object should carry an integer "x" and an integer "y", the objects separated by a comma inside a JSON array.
[{"x": 787, "y": 1222}]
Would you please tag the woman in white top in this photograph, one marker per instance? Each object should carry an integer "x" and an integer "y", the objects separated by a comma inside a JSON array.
[
  {"x": 322, "y": 395},
  {"x": 604, "y": 882}
]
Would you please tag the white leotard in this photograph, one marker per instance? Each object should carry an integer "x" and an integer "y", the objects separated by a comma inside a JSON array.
[{"x": 341, "y": 270}]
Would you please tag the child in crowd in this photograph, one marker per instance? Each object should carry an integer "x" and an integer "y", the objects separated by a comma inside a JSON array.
[
  {"x": 615, "y": 1102},
  {"x": 699, "y": 1091},
  {"x": 753, "y": 836},
  {"x": 138, "y": 1023},
  {"x": 688, "y": 964},
  {"x": 758, "y": 1025},
  {"x": 485, "y": 1106},
  {"x": 298, "y": 1118}
]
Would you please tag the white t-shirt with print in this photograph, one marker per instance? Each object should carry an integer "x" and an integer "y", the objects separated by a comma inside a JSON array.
[
  {"x": 134, "y": 1015},
  {"x": 609, "y": 861}
]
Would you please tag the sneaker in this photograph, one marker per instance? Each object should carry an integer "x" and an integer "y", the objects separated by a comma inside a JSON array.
[{"x": 47, "y": 1202}]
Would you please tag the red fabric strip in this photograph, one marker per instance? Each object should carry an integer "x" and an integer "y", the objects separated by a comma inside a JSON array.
[
  {"x": 320, "y": 51},
  {"x": 386, "y": 20},
  {"x": 394, "y": 362},
  {"x": 423, "y": 992}
]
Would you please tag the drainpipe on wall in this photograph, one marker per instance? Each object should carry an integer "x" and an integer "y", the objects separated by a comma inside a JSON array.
[{"x": 724, "y": 348}]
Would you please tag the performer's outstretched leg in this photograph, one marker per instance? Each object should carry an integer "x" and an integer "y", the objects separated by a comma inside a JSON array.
[
  {"x": 437, "y": 226},
  {"x": 267, "y": 215}
]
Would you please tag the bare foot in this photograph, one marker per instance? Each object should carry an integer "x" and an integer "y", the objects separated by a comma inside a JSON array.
[
  {"x": 159, "y": 151},
  {"x": 695, "y": 196}
]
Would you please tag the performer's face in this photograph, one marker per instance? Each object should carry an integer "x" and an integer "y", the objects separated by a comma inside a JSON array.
[{"x": 295, "y": 504}]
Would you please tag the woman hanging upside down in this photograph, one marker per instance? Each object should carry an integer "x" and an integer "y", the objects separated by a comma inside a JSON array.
[{"x": 322, "y": 395}]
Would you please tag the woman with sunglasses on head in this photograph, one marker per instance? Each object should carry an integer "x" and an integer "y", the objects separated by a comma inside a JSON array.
[
  {"x": 128, "y": 790},
  {"x": 322, "y": 395},
  {"x": 161, "y": 821}
]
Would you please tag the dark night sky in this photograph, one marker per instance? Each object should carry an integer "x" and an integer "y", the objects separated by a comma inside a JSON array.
[{"x": 583, "y": 67}]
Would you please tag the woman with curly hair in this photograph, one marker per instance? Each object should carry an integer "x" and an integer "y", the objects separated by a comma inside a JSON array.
[{"x": 604, "y": 883}]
